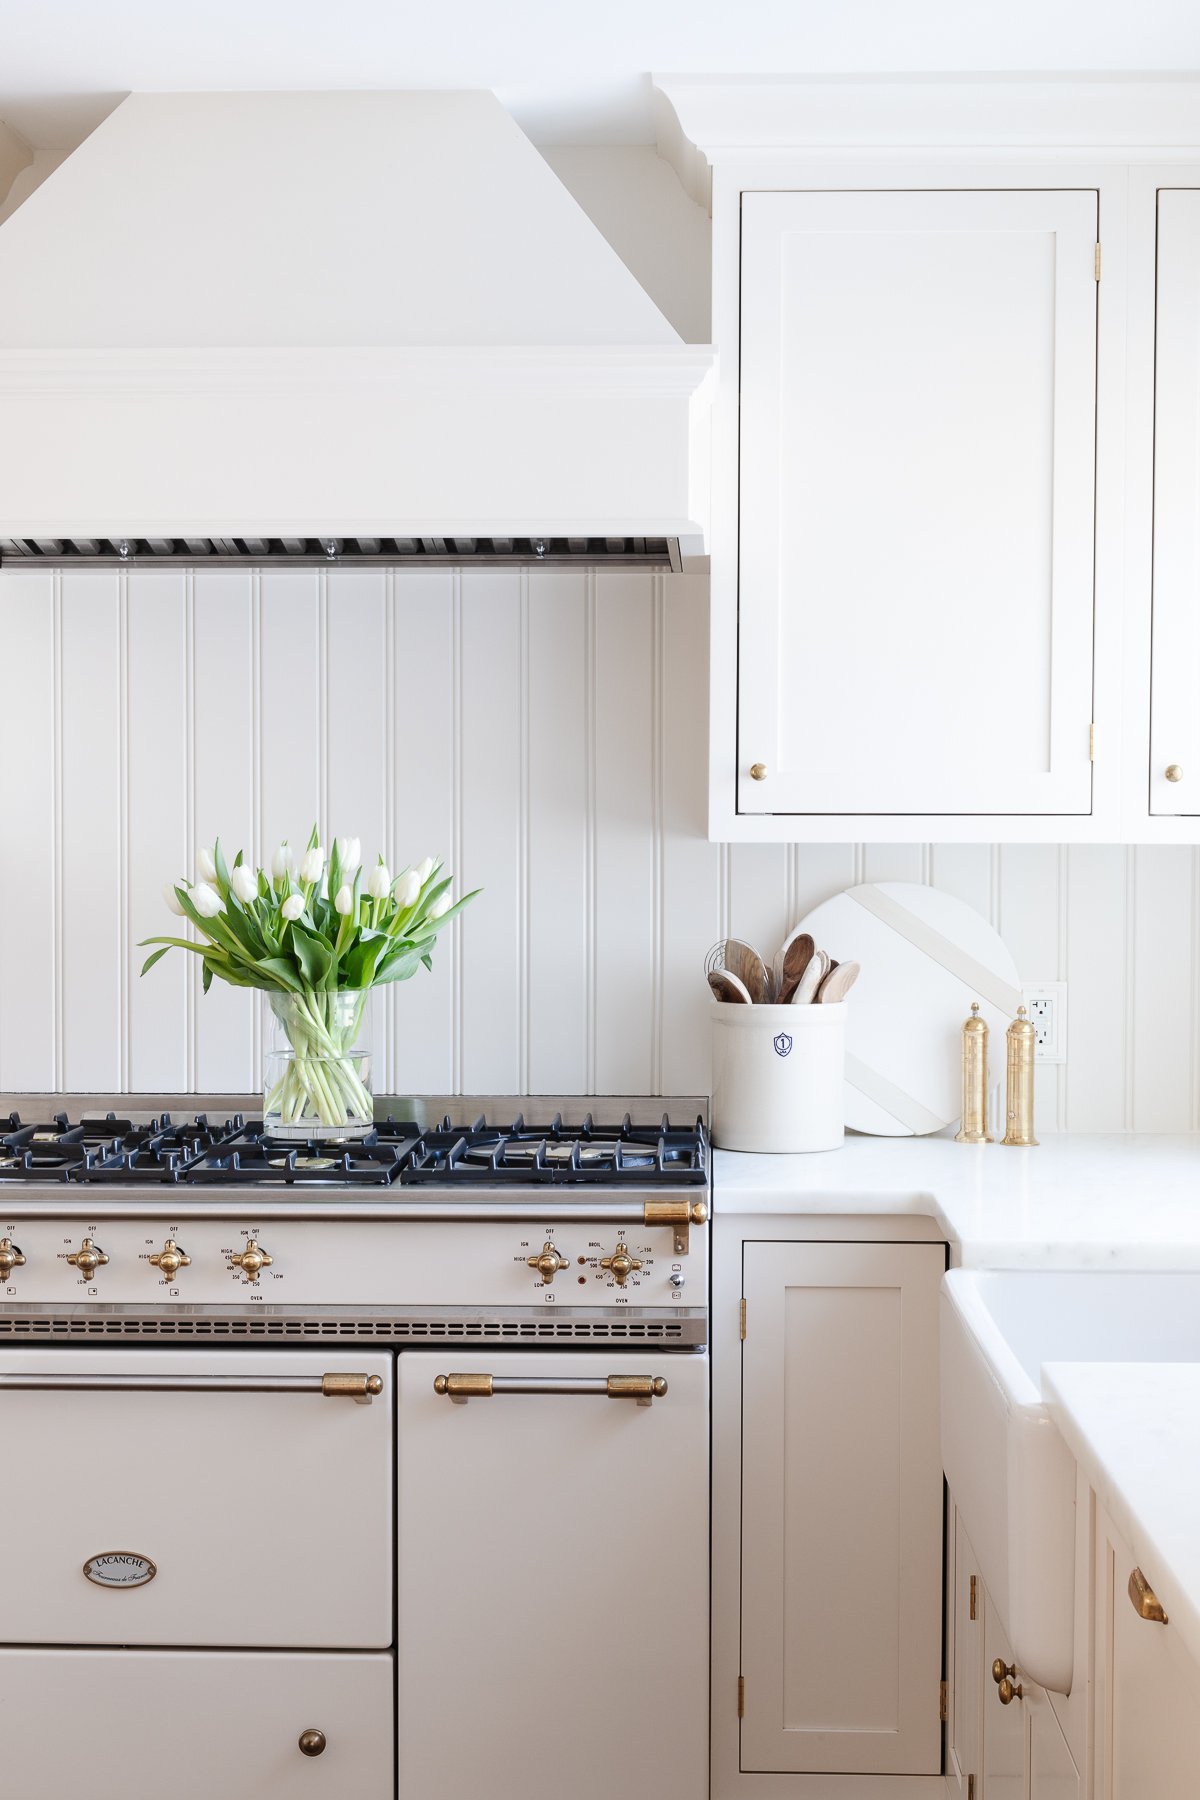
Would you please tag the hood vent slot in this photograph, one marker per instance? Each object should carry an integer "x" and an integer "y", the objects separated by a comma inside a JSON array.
[{"x": 331, "y": 552}]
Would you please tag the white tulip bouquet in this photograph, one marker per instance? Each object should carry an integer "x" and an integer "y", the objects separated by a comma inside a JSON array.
[{"x": 317, "y": 938}]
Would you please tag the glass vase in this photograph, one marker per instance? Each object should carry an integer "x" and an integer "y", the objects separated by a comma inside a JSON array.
[{"x": 318, "y": 1077}]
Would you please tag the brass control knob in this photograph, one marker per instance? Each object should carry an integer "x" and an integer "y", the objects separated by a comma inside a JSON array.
[
  {"x": 621, "y": 1264},
  {"x": 1001, "y": 1669},
  {"x": 311, "y": 1742},
  {"x": 1174, "y": 772},
  {"x": 548, "y": 1263},
  {"x": 170, "y": 1259},
  {"x": 251, "y": 1261},
  {"x": 1008, "y": 1693},
  {"x": 10, "y": 1258},
  {"x": 758, "y": 771},
  {"x": 87, "y": 1259}
]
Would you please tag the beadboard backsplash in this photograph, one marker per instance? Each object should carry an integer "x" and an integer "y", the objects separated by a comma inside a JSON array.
[{"x": 545, "y": 732}]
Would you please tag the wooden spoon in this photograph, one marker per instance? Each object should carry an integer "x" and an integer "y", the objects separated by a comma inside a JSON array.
[
  {"x": 748, "y": 967},
  {"x": 814, "y": 974},
  {"x": 837, "y": 984},
  {"x": 726, "y": 986},
  {"x": 791, "y": 960}
]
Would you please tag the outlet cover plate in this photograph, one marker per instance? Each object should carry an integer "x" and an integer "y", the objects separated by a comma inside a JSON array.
[{"x": 1046, "y": 1004}]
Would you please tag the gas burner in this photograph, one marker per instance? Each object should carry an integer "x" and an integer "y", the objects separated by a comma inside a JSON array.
[
  {"x": 559, "y": 1153},
  {"x": 250, "y": 1156}
]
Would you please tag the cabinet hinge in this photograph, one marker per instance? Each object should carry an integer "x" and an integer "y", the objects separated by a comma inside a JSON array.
[
  {"x": 1097, "y": 262},
  {"x": 741, "y": 1696},
  {"x": 970, "y": 1787},
  {"x": 943, "y": 1702},
  {"x": 1092, "y": 741},
  {"x": 974, "y": 1594},
  {"x": 742, "y": 1319}
]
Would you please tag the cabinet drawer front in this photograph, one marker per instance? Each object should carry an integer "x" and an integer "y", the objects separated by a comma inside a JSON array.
[
  {"x": 140, "y": 1724},
  {"x": 917, "y": 502},
  {"x": 841, "y": 1509},
  {"x": 553, "y": 1576},
  {"x": 260, "y": 1518}
]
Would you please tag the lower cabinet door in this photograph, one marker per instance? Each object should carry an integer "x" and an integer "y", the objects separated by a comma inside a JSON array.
[
  {"x": 965, "y": 1724},
  {"x": 1005, "y": 1758},
  {"x": 1052, "y": 1771},
  {"x": 195, "y": 1725},
  {"x": 1153, "y": 1725},
  {"x": 842, "y": 1501},
  {"x": 553, "y": 1581}
]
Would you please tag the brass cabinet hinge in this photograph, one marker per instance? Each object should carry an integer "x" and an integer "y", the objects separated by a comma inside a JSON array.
[
  {"x": 741, "y": 1696},
  {"x": 1097, "y": 262},
  {"x": 974, "y": 1594},
  {"x": 970, "y": 1787},
  {"x": 1092, "y": 741},
  {"x": 742, "y": 1319},
  {"x": 944, "y": 1701}
]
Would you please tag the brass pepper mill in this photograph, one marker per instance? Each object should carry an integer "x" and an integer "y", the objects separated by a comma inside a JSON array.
[
  {"x": 974, "y": 1081},
  {"x": 1019, "y": 1089}
]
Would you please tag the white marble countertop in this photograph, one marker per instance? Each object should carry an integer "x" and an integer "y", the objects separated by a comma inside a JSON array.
[
  {"x": 1121, "y": 1201},
  {"x": 1134, "y": 1429}
]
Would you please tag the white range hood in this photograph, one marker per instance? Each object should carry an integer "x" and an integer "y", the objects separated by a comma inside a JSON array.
[{"x": 260, "y": 316}]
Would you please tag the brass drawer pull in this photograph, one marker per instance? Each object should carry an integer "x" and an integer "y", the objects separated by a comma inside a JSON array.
[
  {"x": 362, "y": 1388},
  {"x": 1146, "y": 1603},
  {"x": 645, "y": 1389}
]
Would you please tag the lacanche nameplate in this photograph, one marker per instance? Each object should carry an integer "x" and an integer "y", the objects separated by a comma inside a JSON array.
[{"x": 120, "y": 1569}]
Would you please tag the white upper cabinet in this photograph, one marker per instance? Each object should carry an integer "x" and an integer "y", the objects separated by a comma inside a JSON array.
[
  {"x": 917, "y": 507},
  {"x": 1174, "y": 773},
  {"x": 955, "y": 506}
]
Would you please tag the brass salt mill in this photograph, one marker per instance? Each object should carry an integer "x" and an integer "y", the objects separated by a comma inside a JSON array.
[
  {"x": 974, "y": 1081},
  {"x": 1019, "y": 1087}
]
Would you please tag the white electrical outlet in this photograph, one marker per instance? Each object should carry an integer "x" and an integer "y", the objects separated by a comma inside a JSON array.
[{"x": 1046, "y": 1004}]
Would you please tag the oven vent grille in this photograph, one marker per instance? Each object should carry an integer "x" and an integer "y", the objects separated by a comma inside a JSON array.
[{"x": 179, "y": 1327}]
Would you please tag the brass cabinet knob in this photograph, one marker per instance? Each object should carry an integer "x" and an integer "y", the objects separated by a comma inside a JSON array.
[
  {"x": 251, "y": 1261},
  {"x": 1001, "y": 1669},
  {"x": 758, "y": 771},
  {"x": 1008, "y": 1693},
  {"x": 87, "y": 1259},
  {"x": 170, "y": 1259},
  {"x": 1174, "y": 772},
  {"x": 548, "y": 1263},
  {"x": 10, "y": 1258},
  {"x": 621, "y": 1264},
  {"x": 311, "y": 1742}
]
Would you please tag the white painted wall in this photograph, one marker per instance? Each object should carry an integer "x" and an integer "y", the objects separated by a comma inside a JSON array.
[{"x": 544, "y": 731}]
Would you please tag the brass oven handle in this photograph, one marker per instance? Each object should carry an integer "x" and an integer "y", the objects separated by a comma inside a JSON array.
[
  {"x": 362, "y": 1388},
  {"x": 645, "y": 1389},
  {"x": 1146, "y": 1603}
]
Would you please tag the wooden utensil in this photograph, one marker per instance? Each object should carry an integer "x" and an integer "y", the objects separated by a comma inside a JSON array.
[
  {"x": 837, "y": 984},
  {"x": 749, "y": 968},
  {"x": 814, "y": 974},
  {"x": 791, "y": 959},
  {"x": 726, "y": 986}
]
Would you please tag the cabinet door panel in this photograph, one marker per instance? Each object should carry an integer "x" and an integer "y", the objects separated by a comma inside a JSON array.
[
  {"x": 966, "y": 1713},
  {"x": 1005, "y": 1754},
  {"x": 917, "y": 502},
  {"x": 1151, "y": 1737},
  {"x": 841, "y": 1509},
  {"x": 1175, "y": 717}
]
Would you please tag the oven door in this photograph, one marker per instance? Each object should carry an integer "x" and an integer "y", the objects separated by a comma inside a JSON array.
[
  {"x": 142, "y": 1724},
  {"x": 194, "y": 1497},
  {"x": 553, "y": 1577}
]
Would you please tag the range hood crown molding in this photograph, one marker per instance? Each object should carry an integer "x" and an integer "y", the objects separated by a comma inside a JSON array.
[{"x": 411, "y": 327}]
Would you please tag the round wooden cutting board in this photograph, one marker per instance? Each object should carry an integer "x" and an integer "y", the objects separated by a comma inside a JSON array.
[{"x": 925, "y": 956}]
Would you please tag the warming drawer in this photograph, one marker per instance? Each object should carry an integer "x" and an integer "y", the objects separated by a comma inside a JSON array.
[
  {"x": 217, "y": 1498},
  {"x": 141, "y": 1724}
]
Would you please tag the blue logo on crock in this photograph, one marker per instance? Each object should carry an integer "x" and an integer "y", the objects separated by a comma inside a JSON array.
[{"x": 783, "y": 1043}]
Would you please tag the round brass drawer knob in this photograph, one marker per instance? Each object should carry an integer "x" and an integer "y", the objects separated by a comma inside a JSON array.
[
  {"x": 311, "y": 1742},
  {"x": 1174, "y": 772},
  {"x": 1008, "y": 1693},
  {"x": 1000, "y": 1669},
  {"x": 758, "y": 771}
]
